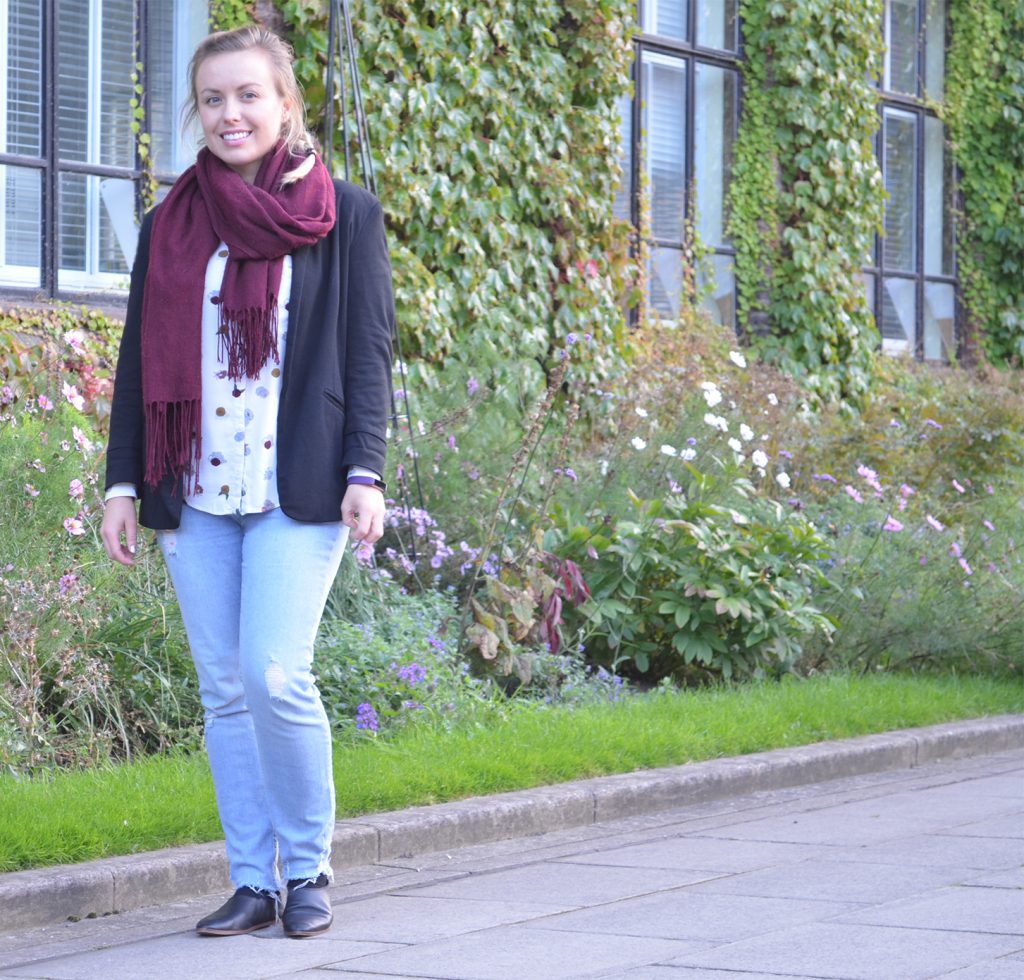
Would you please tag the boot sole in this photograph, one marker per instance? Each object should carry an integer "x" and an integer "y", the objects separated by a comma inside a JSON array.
[
  {"x": 236, "y": 932},
  {"x": 305, "y": 933}
]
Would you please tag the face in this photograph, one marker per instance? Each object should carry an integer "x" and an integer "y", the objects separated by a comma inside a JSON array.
[{"x": 240, "y": 108}]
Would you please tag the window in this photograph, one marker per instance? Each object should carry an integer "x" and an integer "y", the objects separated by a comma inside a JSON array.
[
  {"x": 911, "y": 276},
  {"x": 69, "y": 172},
  {"x": 684, "y": 113}
]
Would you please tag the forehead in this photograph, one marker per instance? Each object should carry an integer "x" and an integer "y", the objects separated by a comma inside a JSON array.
[{"x": 230, "y": 69}]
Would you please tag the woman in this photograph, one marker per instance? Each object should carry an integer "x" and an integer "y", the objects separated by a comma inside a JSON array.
[{"x": 249, "y": 418}]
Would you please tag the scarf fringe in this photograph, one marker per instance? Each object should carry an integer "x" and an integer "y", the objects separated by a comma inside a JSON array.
[
  {"x": 247, "y": 339},
  {"x": 173, "y": 433}
]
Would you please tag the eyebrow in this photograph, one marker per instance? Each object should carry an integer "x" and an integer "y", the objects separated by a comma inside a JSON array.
[{"x": 216, "y": 91}]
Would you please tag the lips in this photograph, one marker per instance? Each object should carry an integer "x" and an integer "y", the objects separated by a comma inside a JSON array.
[{"x": 236, "y": 136}]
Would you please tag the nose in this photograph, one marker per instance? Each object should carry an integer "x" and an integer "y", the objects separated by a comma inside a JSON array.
[{"x": 232, "y": 108}]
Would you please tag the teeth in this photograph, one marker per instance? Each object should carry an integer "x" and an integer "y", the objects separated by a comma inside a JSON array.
[{"x": 234, "y": 137}]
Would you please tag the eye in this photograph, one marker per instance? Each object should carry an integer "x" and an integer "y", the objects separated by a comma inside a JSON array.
[{"x": 211, "y": 100}]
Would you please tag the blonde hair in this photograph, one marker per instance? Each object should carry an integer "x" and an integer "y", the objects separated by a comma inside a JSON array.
[{"x": 299, "y": 140}]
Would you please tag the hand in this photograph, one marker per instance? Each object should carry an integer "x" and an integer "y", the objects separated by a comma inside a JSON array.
[
  {"x": 119, "y": 522},
  {"x": 362, "y": 509}
]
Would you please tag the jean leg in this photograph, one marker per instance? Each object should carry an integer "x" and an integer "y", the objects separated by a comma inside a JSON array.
[
  {"x": 287, "y": 571},
  {"x": 204, "y": 558}
]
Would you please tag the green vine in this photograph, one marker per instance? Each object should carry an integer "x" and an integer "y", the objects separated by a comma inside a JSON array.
[
  {"x": 985, "y": 113},
  {"x": 807, "y": 194},
  {"x": 226, "y": 14},
  {"x": 149, "y": 185}
]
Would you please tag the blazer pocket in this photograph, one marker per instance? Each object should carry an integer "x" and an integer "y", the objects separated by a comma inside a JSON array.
[{"x": 335, "y": 400}]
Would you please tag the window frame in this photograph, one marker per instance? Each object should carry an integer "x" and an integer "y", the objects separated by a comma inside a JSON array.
[
  {"x": 918, "y": 106},
  {"x": 690, "y": 54},
  {"x": 51, "y": 167}
]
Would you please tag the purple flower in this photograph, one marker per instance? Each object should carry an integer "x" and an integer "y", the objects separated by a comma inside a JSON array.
[
  {"x": 786, "y": 453},
  {"x": 958, "y": 487},
  {"x": 824, "y": 477},
  {"x": 954, "y": 550},
  {"x": 932, "y": 423},
  {"x": 967, "y": 568},
  {"x": 691, "y": 441},
  {"x": 569, "y": 472},
  {"x": 891, "y": 524},
  {"x": 853, "y": 493},
  {"x": 989, "y": 525},
  {"x": 934, "y": 523},
  {"x": 412, "y": 674},
  {"x": 472, "y": 386},
  {"x": 571, "y": 338},
  {"x": 66, "y": 582},
  {"x": 366, "y": 718}
]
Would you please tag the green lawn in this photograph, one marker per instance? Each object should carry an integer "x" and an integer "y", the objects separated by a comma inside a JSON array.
[{"x": 164, "y": 801}]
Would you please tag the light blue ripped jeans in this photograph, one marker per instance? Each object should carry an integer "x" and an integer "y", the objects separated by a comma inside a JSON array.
[{"x": 252, "y": 589}]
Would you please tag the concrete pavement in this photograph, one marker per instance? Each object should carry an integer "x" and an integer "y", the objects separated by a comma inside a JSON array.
[{"x": 897, "y": 874}]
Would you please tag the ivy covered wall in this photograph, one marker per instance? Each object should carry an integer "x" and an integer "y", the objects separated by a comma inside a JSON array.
[{"x": 496, "y": 141}]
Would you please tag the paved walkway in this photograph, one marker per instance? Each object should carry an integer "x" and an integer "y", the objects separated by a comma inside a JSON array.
[{"x": 896, "y": 875}]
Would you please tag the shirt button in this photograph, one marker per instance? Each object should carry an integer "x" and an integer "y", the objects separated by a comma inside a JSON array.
[
  {"x": 223, "y": 253},
  {"x": 215, "y": 300}
]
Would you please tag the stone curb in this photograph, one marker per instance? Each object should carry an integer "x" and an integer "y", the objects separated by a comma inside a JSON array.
[{"x": 47, "y": 896}]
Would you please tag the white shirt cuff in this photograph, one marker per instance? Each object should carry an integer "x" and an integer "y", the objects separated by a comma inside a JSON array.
[
  {"x": 362, "y": 471},
  {"x": 120, "y": 490}
]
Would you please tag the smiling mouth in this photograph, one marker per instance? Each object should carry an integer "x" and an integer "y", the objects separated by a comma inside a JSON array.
[{"x": 236, "y": 137}]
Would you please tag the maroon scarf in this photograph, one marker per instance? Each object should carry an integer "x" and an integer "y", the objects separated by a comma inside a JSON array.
[{"x": 261, "y": 223}]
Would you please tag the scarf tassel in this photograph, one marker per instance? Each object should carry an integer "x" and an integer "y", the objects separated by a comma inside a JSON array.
[
  {"x": 247, "y": 339},
  {"x": 173, "y": 442}
]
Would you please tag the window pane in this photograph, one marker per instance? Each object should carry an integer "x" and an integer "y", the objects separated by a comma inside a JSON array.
[
  {"x": 939, "y": 319},
  {"x": 935, "y": 49},
  {"x": 901, "y": 46},
  {"x": 22, "y": 79},
  {"x": 714, "y": 135},
  {"x": 899, "y": 313},
  {"x": 664, "y": 137},
  {"x": 173, "y": 29},
  {"x": 665, "y": 17},
  {"x": 96, "y": 229},
  {"x": 900, "y": 166},
  {"x": 72, "y": 223},
  {"x": 621, "y": 208},
  {"x": 20, "y": 221},
  {"x": 73, "y": 43},
  {"x": 716, "y": 283},
  {"x": 665, "y": 281},
  {"x": 716, "y": 24},
  {"x": 938, "y": 186},
  {"x": 116, "y": 142}
]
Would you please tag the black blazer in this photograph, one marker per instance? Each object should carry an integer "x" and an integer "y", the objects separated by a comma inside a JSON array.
[{"x": 336, "y": 377}]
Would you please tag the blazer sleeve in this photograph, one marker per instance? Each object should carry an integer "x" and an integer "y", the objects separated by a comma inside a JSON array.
[
  {"x": 126, "y": 441},
  {"x": 370, "y": 327}
]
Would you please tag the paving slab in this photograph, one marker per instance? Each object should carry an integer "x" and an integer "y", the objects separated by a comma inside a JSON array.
[
  {"x": 695, "y": 973},
  {"x": 988, "y": 910},
  {"x": 855, "y": 952},
  {"x": 516, "y": 953},
  {"x": 940, "y": 850},
  {"x": 837, "y": 881}
]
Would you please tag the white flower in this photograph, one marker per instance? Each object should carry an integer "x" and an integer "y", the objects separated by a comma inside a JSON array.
[
  {"x": 772, "y": 398},
  {"x": 668, "y": 450},
  {"x": 760, "y": 458},
  {"x": 716, "y": 422},
  {"x": 642, "y": 412},
  {"x": 782, "y": 479},
  {"x": 688, "y": 454},
  {"x": 746, "y": 432},
  {"x": 735, "y": 445},
  {"x": 637, "y": 443},
  {"x": 604, "y": 467},
  {"x": 711, "y": 394},
  {"x": 737, "y": 358}
]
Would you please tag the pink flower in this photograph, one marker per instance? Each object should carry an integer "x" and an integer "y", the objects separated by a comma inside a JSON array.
[
  {"x": 967, "y": 568},
  {"x": 934, "y": 523},
  {"x": 989, "y": 488},
  {"x": 74, "y": 526},
  {"x": 891, "y": 524},
  {"x": 853, "y": 493},
  {"x": 80, "y": 437},
  {"x": 45, "y": 404},
  {"x": 72, "y": 395},
  {"x": 364, "y": 553},
  {"x": 76, "y": 490},
  {"x": 590, "y": 269},
  {"x": 66, "y": 582},
  {"x": 31, "y": 490},
  {"x": 989, "y": 525},
  {"x": 954, "y": 550},
  {"x": 958, "y": 487}
]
